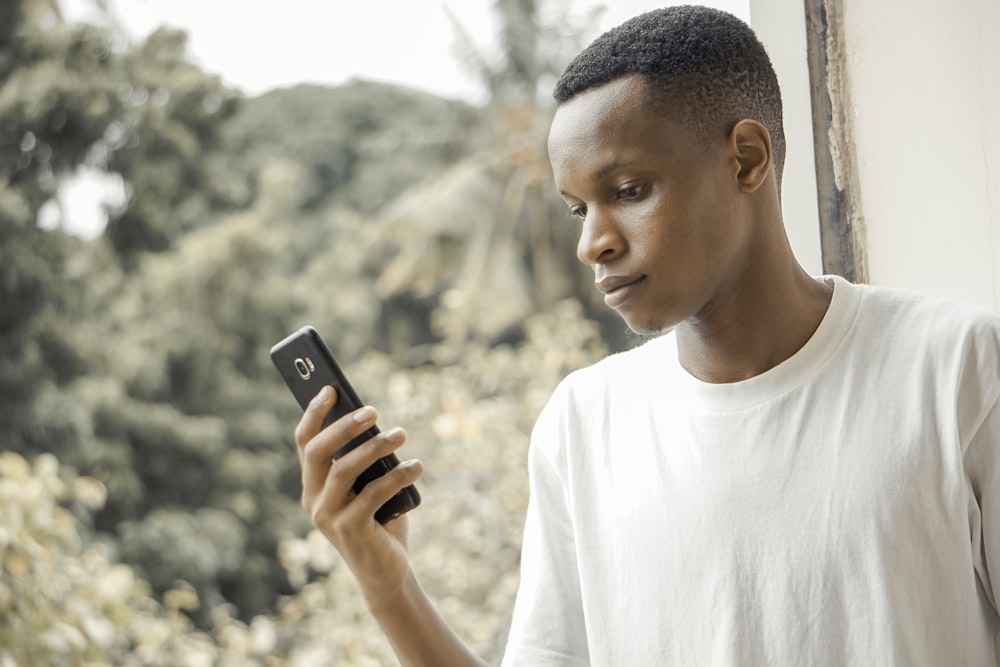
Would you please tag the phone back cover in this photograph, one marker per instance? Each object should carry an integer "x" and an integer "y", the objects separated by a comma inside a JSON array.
[{"x": 306, "y": 346}]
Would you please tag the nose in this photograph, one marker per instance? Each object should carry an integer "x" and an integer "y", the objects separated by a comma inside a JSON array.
[{"x": 600, "y": 239}]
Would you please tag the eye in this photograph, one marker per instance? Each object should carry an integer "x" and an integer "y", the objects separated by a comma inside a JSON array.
[
  {"x": 579, "y": 211},
  {"x": 629, "y": 192}
]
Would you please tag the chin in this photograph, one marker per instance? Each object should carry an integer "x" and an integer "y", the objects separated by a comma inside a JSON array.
[
  {"x": 648, "y": 328},
  {"x": 654, "y": 319}
]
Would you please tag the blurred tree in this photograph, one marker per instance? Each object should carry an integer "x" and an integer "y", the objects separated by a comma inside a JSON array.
[
  {"x": 477, "y": 275},
  {"x": 56, "y": 100},
  {"x": 72, "y": 96},
  {"x": 162, "y": 144},
  {"x": 535, "y": 39},
  {"x": 191, "y": 424},
  {"x": 390, "y": 219},
  {"x": 66, "y": 601},
  {"x": 189, "y": 436},
  {"x": 361, "y": 143},
  {"x": 158, "y": 373},
  {"x": 68, "y": 99}
]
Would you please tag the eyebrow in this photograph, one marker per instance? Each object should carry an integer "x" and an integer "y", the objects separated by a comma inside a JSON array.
[
  {"x": 605, "y": 170},
  {"x": 609, "y": 167}
]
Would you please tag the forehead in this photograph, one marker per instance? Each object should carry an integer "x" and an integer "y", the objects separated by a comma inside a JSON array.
[
  {"x": 601, "y": 114},
  {"x": 614, "y": 125}
]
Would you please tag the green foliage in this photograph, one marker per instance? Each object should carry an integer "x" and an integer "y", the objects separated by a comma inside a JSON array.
[
  {"x": 412, "y": 231},
  {"x": 68, "y": 98},
  {"x": 172, "y": 112},
  {"x": 188, "y": 442},
  {"x": 362, "y": 144},
  {"x": 56, "y": 99},
  {"x": 63, "y": 602}
]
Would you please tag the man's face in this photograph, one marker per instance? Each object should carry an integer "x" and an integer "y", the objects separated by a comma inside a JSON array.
[{"x": 658, "y": 207}]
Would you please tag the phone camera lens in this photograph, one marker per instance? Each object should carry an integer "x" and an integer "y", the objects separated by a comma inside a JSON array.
[{"x": 303, "y": 368}]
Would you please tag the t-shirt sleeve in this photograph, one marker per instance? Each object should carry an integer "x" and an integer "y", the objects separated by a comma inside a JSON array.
[
  {"x": 982, "y": 464},
  {"x": 548, "y": 627}
]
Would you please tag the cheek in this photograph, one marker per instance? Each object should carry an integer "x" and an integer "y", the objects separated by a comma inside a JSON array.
[
  {"x": 650, "y": 220},
  {"x": 665, "y": 227}
]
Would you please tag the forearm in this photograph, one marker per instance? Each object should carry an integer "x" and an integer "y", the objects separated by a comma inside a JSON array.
[
  {"x": 375, "y": 553},
  {"x": 418, "y": 633}
]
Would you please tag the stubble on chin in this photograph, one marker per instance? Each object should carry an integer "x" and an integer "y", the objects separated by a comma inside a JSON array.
[{"x": 641, "y": 332}]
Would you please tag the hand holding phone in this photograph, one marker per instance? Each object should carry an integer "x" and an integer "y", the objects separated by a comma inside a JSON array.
[
  {"x": 307, "y": 365},
  {"x": 376, "y": 554}
]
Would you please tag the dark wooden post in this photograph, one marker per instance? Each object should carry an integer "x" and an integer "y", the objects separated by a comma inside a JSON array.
[{"x": 840, "y": 219}]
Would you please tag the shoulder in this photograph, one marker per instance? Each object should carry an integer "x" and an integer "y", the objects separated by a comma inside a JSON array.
[
  {"x": 586, "y": 396},
  {"x": 652, "y": 360},
  {"x": 953, "y": 345},
  {"x": 897, "y": 321},
  {"x": 927, "y": 314}
]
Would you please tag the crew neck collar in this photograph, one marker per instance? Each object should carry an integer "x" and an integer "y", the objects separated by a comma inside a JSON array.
[{"x": 790, "y": 373}]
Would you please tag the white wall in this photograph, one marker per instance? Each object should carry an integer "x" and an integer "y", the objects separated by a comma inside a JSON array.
[
  {"x": 780, "y": 24},
  {"x": 925, "y": 82},
  {"x": 924, "y": 79}
]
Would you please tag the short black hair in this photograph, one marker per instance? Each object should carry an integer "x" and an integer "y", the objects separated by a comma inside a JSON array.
[{"x": 706, "y": 66}]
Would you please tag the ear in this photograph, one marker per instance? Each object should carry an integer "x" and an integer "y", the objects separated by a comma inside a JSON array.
[{"x": 750, "y": 143}]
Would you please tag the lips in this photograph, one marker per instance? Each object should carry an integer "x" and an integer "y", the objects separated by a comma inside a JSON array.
[
  {"x": 618, "y": 289},
  {"x": 609, "y": 284}
]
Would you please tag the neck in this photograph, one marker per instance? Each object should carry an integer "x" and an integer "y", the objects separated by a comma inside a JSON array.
[{"x": 766, "y": 313}]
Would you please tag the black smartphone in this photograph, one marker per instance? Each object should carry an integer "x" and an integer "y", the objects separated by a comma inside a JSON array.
[{"x": 306, "y": 364}]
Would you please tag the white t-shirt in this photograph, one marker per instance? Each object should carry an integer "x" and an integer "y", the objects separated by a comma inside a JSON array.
[{"x": 842, "y": 508}]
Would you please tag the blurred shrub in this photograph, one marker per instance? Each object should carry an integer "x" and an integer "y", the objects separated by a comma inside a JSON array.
[
  {"x": 469, "y": 422},
  {"x": 65, "y": 601},
  {"x": 139, "y": 359}
]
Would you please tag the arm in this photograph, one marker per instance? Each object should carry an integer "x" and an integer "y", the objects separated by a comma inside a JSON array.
[
  {"x": 376, "y": 554},
  {"x": 982, "y": 464}
]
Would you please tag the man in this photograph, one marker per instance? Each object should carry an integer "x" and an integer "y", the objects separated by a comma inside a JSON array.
[{"x": 801, "y": 472}]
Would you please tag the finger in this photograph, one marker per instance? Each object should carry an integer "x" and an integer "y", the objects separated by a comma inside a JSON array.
[
  {"x": 311, "y": 421},
  {"x": 317, "y": 454},
  {"x": 326, "y": 444},
  {"x": 346, "y": 470},
  {"x": 335, "y": 491},
  {"x": 360, "y": 510}
]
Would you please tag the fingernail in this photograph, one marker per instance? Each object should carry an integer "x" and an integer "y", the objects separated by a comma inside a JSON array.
[
  {"x": 324, "y": 394},
  {"x": 394, "y": 435},
  {"x": 365, "y": 414}
]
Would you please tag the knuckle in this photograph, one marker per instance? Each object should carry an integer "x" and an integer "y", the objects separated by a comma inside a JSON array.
[
  {"x": 322, "y": 517},
  {"x": 301, "y": 435},
  {"x": 342, "y": 474},
  {"x": 337, "y": 525},
  {"x": 313, "y": 452}
]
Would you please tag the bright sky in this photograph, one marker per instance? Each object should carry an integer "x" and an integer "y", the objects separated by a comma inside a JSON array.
[{"x": 258, "y": 46}]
